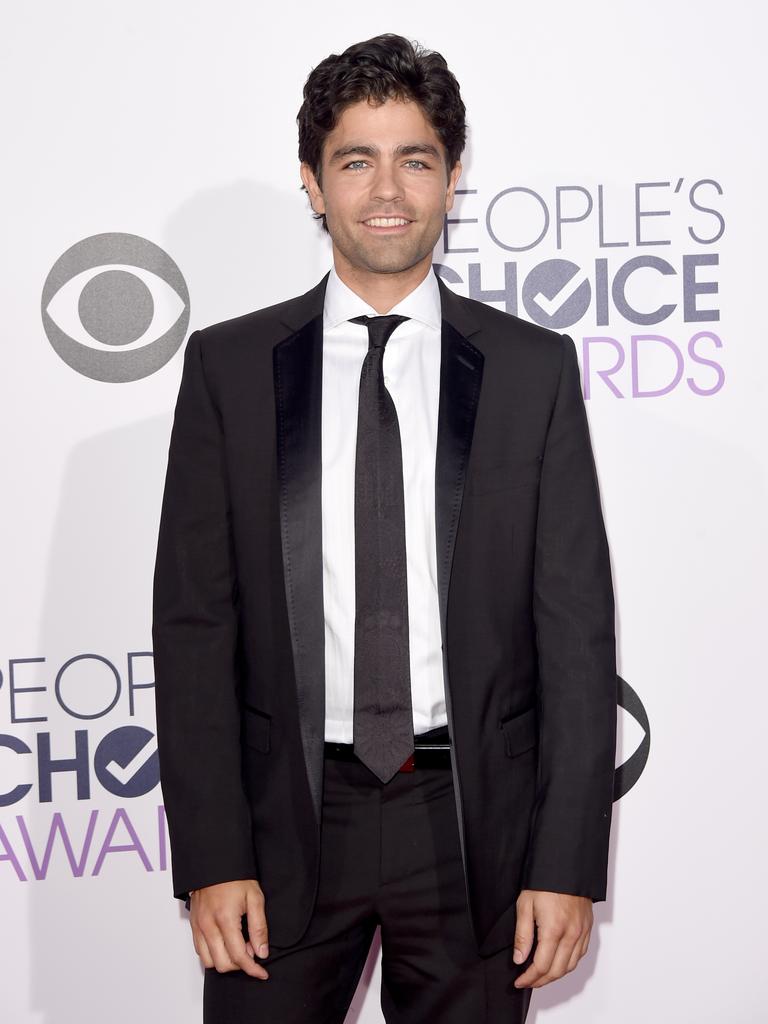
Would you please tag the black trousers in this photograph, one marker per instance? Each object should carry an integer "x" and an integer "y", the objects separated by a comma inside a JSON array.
[{"x": 390, "y": 856}]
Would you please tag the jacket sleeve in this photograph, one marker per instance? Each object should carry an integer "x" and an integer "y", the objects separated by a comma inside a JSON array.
[
  {"x": 573, "y": 607},
  {"x": 194, "y": 634}
]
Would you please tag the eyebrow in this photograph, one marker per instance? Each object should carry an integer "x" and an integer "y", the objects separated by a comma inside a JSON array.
[{"x": 408, "y": 149}]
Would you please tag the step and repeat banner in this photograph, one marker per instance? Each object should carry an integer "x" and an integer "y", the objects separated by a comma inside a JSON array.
[{"x": 614, "y": 188}]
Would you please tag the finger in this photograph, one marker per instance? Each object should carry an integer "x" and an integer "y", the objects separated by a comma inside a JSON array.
[
  {"x": 257, "y": 924},
  {"x": 203, "y": 951},
  {"x": 221, "y": 958},
  {"x": 248, "y": 947},
  {"x": 579, "y": 950},
  {"x": 574, "y": 958},
  {"x": 524, "y": 931},
  {"x": 234, "y": 943},
  {"x": 559, "y": 961},
  {"x": 542, "y": 959}
]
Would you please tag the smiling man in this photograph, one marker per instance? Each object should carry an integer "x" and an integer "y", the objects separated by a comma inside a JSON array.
[
  {"x": 383, "y": 608},
  {"x": 383, "y": 185}
]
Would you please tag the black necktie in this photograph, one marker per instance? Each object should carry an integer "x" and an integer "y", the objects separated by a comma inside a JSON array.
[{"x": 383, "y": 717}]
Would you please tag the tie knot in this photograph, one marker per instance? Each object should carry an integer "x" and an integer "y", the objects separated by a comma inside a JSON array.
[{"x": 379, "y": 327}]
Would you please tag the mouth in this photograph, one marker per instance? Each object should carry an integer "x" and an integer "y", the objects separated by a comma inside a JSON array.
[{"x": 387, "y": 225}]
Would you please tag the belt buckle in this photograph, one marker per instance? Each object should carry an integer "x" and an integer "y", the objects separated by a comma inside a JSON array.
[{"x": 409, "y": 765}]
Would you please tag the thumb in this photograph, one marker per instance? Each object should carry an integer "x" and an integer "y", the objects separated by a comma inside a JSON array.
[
  {"x": 523, "y": 932},
  {"x": 257, "y": 925}
]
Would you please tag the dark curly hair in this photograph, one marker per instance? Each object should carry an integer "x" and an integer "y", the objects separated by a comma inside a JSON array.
[{"x": 385, "y": 67}]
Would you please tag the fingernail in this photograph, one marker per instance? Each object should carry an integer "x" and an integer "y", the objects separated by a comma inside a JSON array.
[
  {"x": 263, "y": 949},
  {"x": 518, "y": 956}
]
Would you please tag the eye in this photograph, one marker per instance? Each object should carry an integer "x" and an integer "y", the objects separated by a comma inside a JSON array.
[
  {"x": 352, "y": 164},
  {"x": 422, "y": 165}
]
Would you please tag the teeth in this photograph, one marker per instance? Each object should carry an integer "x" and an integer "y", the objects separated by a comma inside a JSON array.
[{"x": 386, "y": 222}]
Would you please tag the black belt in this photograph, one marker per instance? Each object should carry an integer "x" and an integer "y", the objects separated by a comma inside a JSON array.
[{"x": 432, "y": 749}]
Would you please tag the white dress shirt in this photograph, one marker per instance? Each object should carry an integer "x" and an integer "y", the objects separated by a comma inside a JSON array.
[{"x": 411, "y": 366}]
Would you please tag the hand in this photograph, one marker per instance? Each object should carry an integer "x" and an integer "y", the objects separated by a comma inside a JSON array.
[
  {"x": 215, "y": 915},
  {"x": 564, "y": 925}
]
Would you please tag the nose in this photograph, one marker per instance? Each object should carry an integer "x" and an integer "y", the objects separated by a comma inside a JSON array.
[{"x": 386, "y": 186}]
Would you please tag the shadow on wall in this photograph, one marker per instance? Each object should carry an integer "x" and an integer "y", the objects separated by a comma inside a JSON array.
[
  {"x": 244, "y": 247},
  {"x": 115, "y": 943}
]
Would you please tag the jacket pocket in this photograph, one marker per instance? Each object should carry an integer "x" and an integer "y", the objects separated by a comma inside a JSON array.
[
  {"x": 521, "y": 731},
  {"x": 256, "y": 728}
]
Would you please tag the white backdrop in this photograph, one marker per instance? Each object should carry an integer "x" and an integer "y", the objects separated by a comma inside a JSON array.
[{"x": 172, "y": 128}]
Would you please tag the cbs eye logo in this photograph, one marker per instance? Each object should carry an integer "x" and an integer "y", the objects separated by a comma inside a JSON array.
[
  {"x": 115, "y": 307},
  {"x": 629, "y": 772}
]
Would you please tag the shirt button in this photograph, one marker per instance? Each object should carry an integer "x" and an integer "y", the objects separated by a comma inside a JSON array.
[{"x": 386, "y": 380}]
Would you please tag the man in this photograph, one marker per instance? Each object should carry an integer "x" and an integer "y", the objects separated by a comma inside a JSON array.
[{"x": 383, "y": 608}]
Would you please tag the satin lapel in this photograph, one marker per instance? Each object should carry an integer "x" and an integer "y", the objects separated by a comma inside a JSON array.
[
  {"x": 297, "y": 367},
  {"x": 461, "y": 373}
]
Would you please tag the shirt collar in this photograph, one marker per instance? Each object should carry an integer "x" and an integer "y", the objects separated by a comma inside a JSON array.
[{"x": 422, "y": 304}]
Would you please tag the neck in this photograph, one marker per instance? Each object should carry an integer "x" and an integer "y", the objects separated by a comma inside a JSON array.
[{"x": 382, "y": 291}]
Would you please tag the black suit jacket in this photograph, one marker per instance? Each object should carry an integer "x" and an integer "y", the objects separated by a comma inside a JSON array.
[{"x": 526, "y": 609}]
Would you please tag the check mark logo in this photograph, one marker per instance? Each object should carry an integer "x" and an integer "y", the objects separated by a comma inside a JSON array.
[
  {"x": 551, "y": 306},
  {"x": 124, "y": 774}
]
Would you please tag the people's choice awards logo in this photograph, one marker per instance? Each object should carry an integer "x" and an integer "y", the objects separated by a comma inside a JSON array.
[
  {"x": 115, "y": 307},
  {"x": 641, "y": 294}
]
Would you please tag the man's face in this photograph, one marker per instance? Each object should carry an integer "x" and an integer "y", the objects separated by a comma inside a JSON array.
[{"x": 384, "y": 187}]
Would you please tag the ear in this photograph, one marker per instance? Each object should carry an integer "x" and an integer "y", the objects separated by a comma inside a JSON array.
[
  {"x": 312, "y": 187},
  {"x": 453, "y": 180}
]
